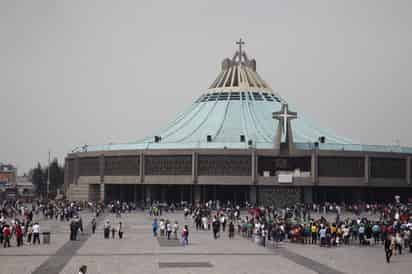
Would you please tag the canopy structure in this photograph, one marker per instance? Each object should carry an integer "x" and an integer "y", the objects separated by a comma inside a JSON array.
[{"x": 237, "y": 112}]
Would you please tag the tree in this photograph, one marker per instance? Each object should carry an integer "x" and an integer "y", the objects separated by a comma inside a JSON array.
[
  {"x": 37, "y": 178},
  {"x": 56, "y": 176}
]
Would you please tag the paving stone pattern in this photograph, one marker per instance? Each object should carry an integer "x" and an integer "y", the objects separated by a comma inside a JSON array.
[{"x": 140, "y": 252}]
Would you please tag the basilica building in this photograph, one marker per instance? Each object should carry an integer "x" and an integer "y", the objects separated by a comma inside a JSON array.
[{"x": 239, "y": 141}]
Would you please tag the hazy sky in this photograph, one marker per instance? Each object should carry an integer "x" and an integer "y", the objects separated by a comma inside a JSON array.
[{"x": 93, "y": 72}]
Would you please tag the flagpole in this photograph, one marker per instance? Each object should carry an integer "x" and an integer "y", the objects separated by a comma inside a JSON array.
[{"x": 48, "y": 177}]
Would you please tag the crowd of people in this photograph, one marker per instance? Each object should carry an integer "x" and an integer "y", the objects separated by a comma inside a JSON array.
[
  {"x": 362, "y": 224},
  {"x": 169, "y": 230},
  {"x": 365, "y": 224},
  {"x": 20, "y": 223}
]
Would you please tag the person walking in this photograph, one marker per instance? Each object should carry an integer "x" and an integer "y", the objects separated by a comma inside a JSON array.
[
  {"x": 36, "y": 233},
  {"x": 106, "y": 229},
  {"x": 314, "y": 231},
  {"x": 162, "y": 227},
  {"x": 94, "y": 224},
  {"x": 376, "y": 233},
  {"x": 398, "y": 243},
  {"x": 175, "y": 229},
  {"x": 6, "y": 236},
  {"x": 410, "y": 240},
  {"x": 216, "y": 228},
  {"x": 19, "y": 234},
  {"x": 113, "y": 232},
  {"x": 263, "y": 235},
  {"x": 120, "y": 231},
  {"x": 80, "y": 224},
  {"x": 168, "y": 229},
  {"x": 185, "y": 236},
  {"x": 231, "y": 230},
  {"x": 73, "y": 230},
  {"x": 83, "y": 269},
  {"x": 388, "y": 246},
  {"x": 29, "y": 233},
  {"x": 154, "y": 227}
]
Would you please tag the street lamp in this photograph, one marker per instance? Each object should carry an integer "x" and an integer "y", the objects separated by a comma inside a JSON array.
[{"x": 48, "y": 177}]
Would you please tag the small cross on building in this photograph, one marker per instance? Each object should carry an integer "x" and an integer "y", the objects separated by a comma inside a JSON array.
[{"x": 240, "y": 43}]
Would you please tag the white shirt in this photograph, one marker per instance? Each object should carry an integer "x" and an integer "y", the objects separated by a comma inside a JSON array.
[{"x": 36, "y": 228}]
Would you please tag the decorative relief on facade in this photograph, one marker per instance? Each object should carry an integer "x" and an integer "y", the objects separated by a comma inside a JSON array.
[
  {"x": 89, "y": 166},
  {"x": 388, "y": 168},
  {"x": 341, "y": 167},
  {"x": 168, "y": 165},
  {"x": 121, "y": 166},
  {"x": 273, "y": 164},
  {"x": 279, "y": 196},
  {"x": 221, "y": 165}
]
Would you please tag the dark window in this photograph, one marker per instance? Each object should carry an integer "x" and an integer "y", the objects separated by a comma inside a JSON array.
[
  {"x": 121, "y": 165},
  {"x": 89, "y": 166},
  {"x": 70, "y": 170},
  {"x": 341, "y": 167},
  {"x": 388, "y": 168},
  {"x": 168, "y": 165},
  {"x": 221, "y": 165}
]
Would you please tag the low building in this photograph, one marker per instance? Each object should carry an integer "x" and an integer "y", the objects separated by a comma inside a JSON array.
[
  {"x": 25, "y": 188},
  {"x": 8, "y": 175}
]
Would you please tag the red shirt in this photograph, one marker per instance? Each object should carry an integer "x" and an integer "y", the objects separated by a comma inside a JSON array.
[
  {"x": 6, "y": 232},
  {"x": 18, "y": 231}
]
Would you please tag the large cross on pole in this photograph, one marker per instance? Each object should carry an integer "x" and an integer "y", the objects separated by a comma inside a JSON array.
[
  {"x": 284, "y": 116},
  {"x": 240, "y": 43}
]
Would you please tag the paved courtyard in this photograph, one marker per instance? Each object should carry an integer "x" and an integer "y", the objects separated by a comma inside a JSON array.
[{"x": 140, "y": 252}]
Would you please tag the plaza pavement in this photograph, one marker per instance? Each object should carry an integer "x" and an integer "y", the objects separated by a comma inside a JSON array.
[{"x": 140, "y": 252}]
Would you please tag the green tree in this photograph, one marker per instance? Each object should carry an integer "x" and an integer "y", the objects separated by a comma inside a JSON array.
[
  {"x": 56, "y": 177},
  {"x": 37, "y": 177}
]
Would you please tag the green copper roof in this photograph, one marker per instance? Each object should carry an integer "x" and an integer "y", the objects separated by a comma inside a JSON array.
[{"x": 238, "y": 103}]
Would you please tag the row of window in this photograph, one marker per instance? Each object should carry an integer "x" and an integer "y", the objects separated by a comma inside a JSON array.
[
  {"x": 222, "y": 165},
  {"x": 224, "y": 96}
]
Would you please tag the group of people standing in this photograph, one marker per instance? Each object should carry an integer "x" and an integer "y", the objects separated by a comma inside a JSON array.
[
  {"x": 108, "y": 229},
  {"x": 166, "y": 228}
]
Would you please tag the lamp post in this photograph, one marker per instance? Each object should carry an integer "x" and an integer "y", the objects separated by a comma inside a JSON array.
[
  {"x": 48, "y": 177},
  {"x": 315, "y": 147}
]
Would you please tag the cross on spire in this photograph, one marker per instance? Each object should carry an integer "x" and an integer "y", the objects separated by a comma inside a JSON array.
[
  {"x": 240, "y": 43},
  {"x": 284, "y": 116}
]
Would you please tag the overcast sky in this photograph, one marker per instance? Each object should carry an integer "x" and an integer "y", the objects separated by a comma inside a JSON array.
[{"x": 93, "y": 72}]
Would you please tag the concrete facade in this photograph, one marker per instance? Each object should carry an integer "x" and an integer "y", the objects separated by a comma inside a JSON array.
[{"x": 93, "y": 187}]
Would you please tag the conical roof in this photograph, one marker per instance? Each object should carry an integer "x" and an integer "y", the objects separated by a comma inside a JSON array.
[{"x": 235, "y": 109}]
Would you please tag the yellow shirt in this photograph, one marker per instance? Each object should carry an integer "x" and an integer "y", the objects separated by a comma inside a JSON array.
[{"x": 313, "y": 229}]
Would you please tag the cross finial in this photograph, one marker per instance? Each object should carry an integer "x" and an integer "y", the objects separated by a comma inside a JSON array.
[{"x": 240, "y": 43}]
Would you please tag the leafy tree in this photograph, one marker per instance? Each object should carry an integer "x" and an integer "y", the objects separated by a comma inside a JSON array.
[
  {"x": 56, "y": 176},
  {"x": 39, "y": 178}
]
